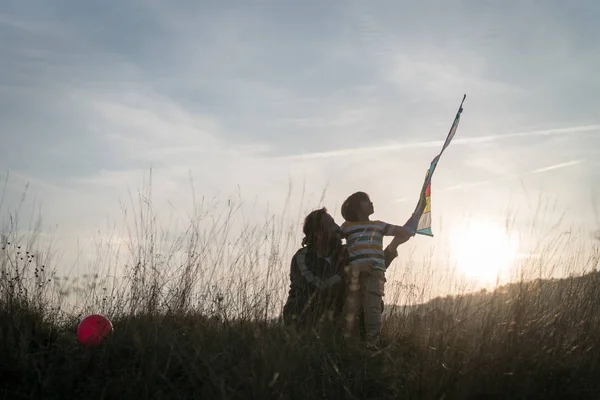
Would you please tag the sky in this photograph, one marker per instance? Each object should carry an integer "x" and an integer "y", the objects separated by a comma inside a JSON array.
[{"x": 245, "y": 98}]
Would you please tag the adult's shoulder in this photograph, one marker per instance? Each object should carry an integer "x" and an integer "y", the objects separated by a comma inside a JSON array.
[
  {"x": 301, "y": 251},
  {"x": 300, "y": 255}
]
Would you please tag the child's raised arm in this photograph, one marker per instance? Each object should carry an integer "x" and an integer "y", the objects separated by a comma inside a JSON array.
[{"x": 403, "y": 232}]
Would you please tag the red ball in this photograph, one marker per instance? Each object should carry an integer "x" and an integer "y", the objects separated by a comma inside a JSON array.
[{"x": 93, "y": 329}]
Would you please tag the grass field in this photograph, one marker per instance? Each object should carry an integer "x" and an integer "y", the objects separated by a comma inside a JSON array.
[{"x": 527, "y": 340}]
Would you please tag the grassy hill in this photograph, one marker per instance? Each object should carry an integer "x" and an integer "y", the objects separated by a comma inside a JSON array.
[
  {"x": 538, "y": 339},
  {"x": 525, "y": 340}
]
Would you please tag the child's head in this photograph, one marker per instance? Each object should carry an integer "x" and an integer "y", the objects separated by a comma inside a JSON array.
[{"x": 357, "y": 207}]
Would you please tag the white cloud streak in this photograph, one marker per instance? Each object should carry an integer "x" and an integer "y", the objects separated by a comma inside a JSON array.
[
  {"x": 513, "y": 176},
  {"x": 438, "y": 143}
]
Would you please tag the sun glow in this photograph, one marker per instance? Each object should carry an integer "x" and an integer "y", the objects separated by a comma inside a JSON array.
[{"x": 483, "y": 251}]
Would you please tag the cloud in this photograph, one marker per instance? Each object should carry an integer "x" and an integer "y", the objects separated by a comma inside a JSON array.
[{"x": 267, "y": 93}]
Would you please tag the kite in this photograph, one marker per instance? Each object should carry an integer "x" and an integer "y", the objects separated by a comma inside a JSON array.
[{"x": 423, "y": 208}]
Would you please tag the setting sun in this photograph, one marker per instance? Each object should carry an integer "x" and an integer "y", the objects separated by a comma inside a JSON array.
[{"x": 483, "y": 251}]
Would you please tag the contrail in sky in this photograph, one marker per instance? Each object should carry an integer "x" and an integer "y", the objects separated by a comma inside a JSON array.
[
  {"x": 557, "y": 166},
  {"x": 507, "y": 177},
  {"x": 437, "y": 143}
]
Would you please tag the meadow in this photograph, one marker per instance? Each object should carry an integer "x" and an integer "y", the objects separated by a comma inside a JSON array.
[{"x": 182, "y": 331}]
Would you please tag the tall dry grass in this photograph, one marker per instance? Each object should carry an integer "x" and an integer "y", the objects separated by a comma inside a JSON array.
[{"x": 195, "y": 315}]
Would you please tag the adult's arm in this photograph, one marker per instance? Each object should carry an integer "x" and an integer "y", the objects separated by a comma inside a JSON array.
[
  {"x": 391, "y": 251},
  {"x": 308, "y": 276}
]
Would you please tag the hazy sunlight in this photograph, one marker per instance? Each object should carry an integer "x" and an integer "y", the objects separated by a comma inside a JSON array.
[{"x": 483, "y": 251}]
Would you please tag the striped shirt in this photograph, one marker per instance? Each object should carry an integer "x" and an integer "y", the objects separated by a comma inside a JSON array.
[{"x": 365, "y": 241}]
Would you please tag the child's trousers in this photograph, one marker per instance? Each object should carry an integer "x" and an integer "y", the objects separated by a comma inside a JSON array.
[{"x": 365, "y": 291}]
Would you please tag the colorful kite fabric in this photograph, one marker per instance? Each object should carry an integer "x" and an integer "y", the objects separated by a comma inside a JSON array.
[{"x": 423, "y": 209}]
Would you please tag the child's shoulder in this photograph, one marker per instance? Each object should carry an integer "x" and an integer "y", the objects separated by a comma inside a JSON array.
[
  {"x": 380, "y": 226},
  {"x": 349, "y": 224},
  {"x": 375, "y": 222},
  {"x": 346, "y": 225}
]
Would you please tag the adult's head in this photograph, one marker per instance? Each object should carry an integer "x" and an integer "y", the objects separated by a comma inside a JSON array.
[{"x": 321, "y": 231}]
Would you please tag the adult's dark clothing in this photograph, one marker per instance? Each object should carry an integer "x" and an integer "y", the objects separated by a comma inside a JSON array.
[{"x": 318, "y": 287}]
